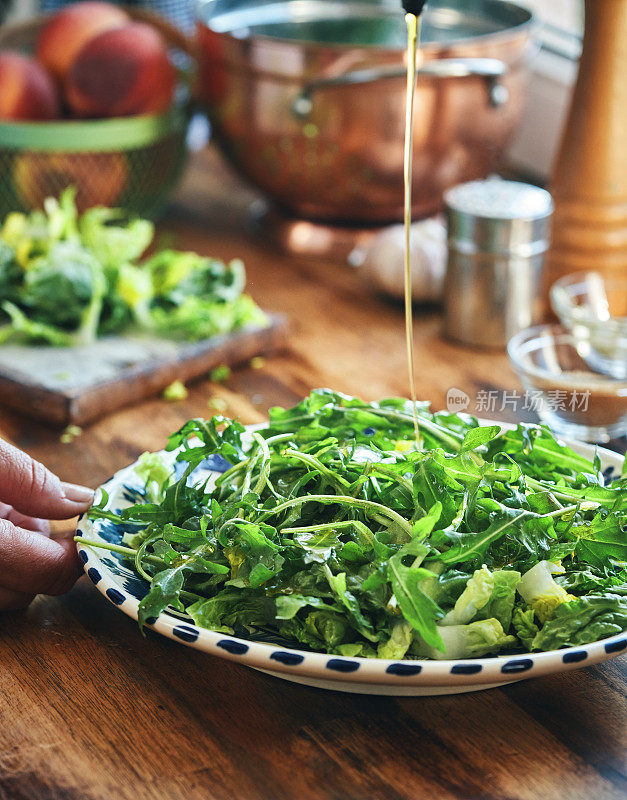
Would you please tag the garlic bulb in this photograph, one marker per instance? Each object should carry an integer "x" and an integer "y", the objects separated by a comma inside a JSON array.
[{"x": 381, "y": 261}]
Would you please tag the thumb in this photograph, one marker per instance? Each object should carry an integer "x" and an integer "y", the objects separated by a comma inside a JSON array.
[
  {"x": 33, "y": 564},
  {"x": 33, "y": 490}
]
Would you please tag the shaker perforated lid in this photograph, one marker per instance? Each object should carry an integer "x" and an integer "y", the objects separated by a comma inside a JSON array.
[{"x": 497, "y": 216}]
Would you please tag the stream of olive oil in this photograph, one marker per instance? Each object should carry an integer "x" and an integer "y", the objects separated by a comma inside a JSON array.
[{"x": 413, "y": 37}]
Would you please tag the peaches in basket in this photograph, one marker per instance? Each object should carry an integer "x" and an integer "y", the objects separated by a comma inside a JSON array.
[
  {"x": 26, "y": 90},
  {"x": 91, "y": 61}
]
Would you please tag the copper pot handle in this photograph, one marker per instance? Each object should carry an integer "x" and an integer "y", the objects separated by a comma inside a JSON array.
[{"x": 492, "y": 69}]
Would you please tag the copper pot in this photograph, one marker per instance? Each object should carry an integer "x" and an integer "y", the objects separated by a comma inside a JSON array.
[{"x": 306, "y": 98}]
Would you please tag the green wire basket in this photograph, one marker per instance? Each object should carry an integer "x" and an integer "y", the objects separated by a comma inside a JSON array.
[{"x": 128, "y": 162}]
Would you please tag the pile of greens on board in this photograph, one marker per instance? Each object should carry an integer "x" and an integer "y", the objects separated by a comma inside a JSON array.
[
  {"x": 331, "y": 529},
  {"x": 67, "y": 279}
]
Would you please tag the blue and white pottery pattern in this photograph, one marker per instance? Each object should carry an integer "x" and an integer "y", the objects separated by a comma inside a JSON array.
[{"x": 122, "y": 587}]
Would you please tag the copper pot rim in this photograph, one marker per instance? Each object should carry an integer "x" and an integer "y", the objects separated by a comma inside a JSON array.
[{"x": 428, "y": 49}]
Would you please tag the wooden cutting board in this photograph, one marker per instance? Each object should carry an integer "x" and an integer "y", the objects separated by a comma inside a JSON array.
[{"x": 79, "y": 384}]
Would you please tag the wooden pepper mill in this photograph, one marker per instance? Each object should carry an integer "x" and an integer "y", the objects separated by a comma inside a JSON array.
[{"x": 590, "y": 180}]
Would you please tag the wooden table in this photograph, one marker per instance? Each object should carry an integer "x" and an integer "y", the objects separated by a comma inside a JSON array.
[{"x": 89, "y": 709}]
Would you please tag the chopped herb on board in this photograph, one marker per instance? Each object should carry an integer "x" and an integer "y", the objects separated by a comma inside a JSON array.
[{"x": 174, "y": 392}]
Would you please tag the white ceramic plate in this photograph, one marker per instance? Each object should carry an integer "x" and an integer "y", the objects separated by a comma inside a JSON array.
[{"x": 122, "y": 587}]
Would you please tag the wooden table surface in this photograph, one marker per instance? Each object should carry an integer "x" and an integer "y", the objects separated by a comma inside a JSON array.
[{"x": 89, "y": 709}]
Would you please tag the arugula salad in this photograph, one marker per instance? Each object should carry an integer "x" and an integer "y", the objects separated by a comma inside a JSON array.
[
  {"x": 67, "y": 279},
  {"x": 334, "y": 530}
]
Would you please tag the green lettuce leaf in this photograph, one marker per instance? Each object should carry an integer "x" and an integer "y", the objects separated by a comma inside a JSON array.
[
  {"x": 500, "y": 605},
  {"x": 582, "y": 621},
  {"x": 156, "y": 473},
  {"x": 540, "y": 591},
  {"x": 468, "y": 641},
  {"x": 475, "y": 596},
  {"x": 230, "y": 608},
  {"x": 320, "y": 630},
  {"x": 288, "y": 605},
  {"x": 112, "y": 237},
  {"x": 524, "y": 624},
  {"x": 24, "y": 330},
  {"x": 399, "y": 642}
]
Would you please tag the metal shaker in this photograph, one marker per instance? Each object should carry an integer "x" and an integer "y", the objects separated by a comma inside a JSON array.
[{"x": 498, "y": 234}]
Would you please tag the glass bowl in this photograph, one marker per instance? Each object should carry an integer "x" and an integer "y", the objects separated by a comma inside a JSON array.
[
  {"x": 574, "y": 400},
  {"x": 594, "y": 309}
]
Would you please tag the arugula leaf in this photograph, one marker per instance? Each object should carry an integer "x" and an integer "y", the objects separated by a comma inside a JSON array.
[
  {"x": 472, "y": 546},
  {"x": 477, "y": 437},
  {"x": 353, "y": 611},
  {"x": 417, "y": 607},
  {"x": 165, "y": 590},
  {"x": 601, "y": 541}
]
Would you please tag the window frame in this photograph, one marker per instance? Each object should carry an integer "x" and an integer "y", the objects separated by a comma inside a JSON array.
[{"x": 553, "y": 75}]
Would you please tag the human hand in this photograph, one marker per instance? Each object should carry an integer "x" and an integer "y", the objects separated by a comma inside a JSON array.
[{"x": 31, "y": 562}]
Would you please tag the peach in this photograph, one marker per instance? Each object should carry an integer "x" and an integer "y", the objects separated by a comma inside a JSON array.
[
  {"x": 99, "y": 178},
  {"x": 67, "y": 32},
  {"x": 26, "y": 89},
  {"x": 121, "y": 72}
]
